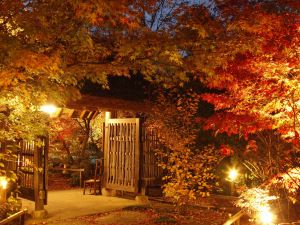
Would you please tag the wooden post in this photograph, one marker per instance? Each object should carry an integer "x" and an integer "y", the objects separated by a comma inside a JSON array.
[
  {"x": 232, "y": 188},
  {"x": 141, "y": 197},
  {"x": 38, "y": 180},
  {"x": 137, "y": 153},
  {"x": 39, "y": 193},
  {"x": 105, "y": 191},
  {"x": 2, "y": 195},
  {"x": 106, "y": 142},
  {"x": 46, "y": 164}
]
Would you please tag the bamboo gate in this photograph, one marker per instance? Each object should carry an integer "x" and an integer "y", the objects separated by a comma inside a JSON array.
[{"x": 130, "y": 163}]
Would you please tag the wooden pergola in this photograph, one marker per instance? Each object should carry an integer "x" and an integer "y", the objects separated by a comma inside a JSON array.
[
  {"x": 129, "y": 160},
  {"x": 88, "y": 107},
  {"x": 94, "y": 103}
]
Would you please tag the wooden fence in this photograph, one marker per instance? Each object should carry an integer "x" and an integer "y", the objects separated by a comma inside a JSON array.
[
  {"x": 235, "y": 219},
  {"x": 151, "y": 173},
  {"x": 17, "y": 217}
]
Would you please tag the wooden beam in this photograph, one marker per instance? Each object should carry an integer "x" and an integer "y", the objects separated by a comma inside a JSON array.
[
  {"x": 81, "y": 115},
  {"x": 95, "y": 103},
  {"x": 67, "y": 112}
]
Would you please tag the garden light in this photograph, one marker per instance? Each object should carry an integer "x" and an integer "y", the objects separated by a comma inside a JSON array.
[
  {"x": 3, "y": 182},
  {"x": 50, "y": 109},
  {"x": 233, "y": 174},
  {"x": 265, "y": 216}
]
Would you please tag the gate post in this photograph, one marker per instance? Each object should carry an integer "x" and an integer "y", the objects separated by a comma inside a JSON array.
[
  {"x": 39, "y": 193},
  {"x": 141, "y": 196},
  {"x": 105, "y": 191}
]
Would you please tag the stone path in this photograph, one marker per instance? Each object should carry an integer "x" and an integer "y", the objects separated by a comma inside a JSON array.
[{"x": 72, "y": 203}]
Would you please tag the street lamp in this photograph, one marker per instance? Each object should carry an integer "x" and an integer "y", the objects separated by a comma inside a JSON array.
[
  {"x": 3, "y": 182},
  {"x": 265, "y": 216},
  {"x": 3, "y": 187},
  {"x": 233, "y": 174},
  {"x": 48, "y": 108},
  {"x": 232, "y": 177}
]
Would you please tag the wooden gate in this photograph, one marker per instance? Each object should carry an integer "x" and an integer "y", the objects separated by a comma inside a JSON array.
[
  {"x": 122, "y": 154},
  {"x": 32, "y": 170}
]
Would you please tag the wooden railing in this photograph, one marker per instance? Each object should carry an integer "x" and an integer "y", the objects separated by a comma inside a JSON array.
[
  {"x": 235, "y": 219},
  {"x": 79, "y": 170},
  {"x": 19, "y": 215}
]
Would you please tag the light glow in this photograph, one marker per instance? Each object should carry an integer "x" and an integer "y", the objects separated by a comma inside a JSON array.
[
  {"x": 3, "y": 182},
  {"x": 233, "y": 174},
  {"x": 265, "y": 216},
  {"x": 50, "y": 109}
]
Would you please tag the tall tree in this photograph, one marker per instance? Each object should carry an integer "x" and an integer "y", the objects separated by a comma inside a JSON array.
[
  {"x": 49, "y": 47},
  {"x": 253, "y": 62},
  {"x": 253, "y": 71}
]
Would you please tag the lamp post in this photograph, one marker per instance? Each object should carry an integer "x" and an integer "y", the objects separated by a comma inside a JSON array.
[
  {"x": 3, "y": 187},
  {"x": 38, "y": 177}
]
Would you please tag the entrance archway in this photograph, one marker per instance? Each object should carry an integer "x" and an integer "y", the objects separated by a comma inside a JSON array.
[{"x": 129, "y": 160}]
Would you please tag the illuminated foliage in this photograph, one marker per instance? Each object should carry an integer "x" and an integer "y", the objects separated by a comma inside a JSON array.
[
  {"x": 256, "y": 202},
  {"x": 246, "y": 52},
  {"x": 49, "y": 48},
  {"x": 290, "y": 181},
  {"x": 253, "y": 71},
  {"x": 258, "y": 83},
  {"x": 189, "y": 168},
  {"x": 75, "y": 141}
]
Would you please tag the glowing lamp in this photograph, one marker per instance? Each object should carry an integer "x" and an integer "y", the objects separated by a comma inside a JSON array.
[
  {"x": 233, "y": 174},
  {"x": 50, "y": 109},
  {"x": 3, "y": 182},
  {"x": 266, "y": 217}
]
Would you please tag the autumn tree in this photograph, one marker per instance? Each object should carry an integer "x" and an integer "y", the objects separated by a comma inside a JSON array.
[
  {"x": 252, "y": 68},
  {"x": 76, "y": 141},
  {"x": 259, "y": 80},
  {"x": 49, "y": 48},
  {"x": 189, "y": 167},
  {"x": 246, "y": 51}
]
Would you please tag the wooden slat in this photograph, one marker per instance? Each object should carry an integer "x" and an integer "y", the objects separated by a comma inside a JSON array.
[
  {"x": 137, "y": 156},
  {"x": 114, "y": 150},
  {"x": 126, "y": 155}
]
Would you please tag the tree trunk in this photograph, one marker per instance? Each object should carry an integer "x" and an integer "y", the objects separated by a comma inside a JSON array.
[{"x": 66, "y": 148}]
